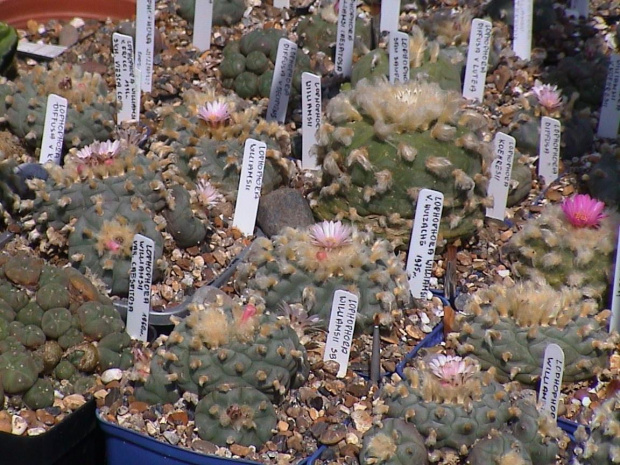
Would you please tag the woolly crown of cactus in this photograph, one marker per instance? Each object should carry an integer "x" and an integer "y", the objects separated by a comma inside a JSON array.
[
  {"x": 532, "y": 303},
  {"x": 463, "y": 390}
]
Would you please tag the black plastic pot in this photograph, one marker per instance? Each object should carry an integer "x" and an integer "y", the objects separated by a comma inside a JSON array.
[{"x": 76, "y": 440}]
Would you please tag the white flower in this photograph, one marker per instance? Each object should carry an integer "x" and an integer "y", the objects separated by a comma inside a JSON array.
[
  {"x": 330, "y": 234},
  {"x": 207, "y": 194}
]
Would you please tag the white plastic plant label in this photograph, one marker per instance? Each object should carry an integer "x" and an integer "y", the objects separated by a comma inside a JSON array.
[
  {"x": 203, "y": 22},
  {"x": 53, "y": 129},
  {"x": 501, "y": 169},
  {"x": 127, "y": 97},
  {"x": 614, "y": 322},
  {"x": 581, "y": 7},
  {"x": 477, "y": 59},
  {"x": 423, "y": 242},
  {"x": 145, "y": 41},
  {"x": 140, "y": 278},
  {"x": 282, "y": 81},
  {"x": 341, "y": 328},
  {"x": 549, "y": 149},
  {"x": 551, "y": 380},
  {"x": 39, "y": 51},
  {"x": 345, "y": 37},
  {"x": 390, "y": 13},
  {"x": 310, "y": 117},
  {"x": 522, "y": 37},
  {"x": 250, "y": 184},
  {"x": 610, "y": 110},
  {"x": 399, "y": 57},
  {"x": 282, "y": 3}
]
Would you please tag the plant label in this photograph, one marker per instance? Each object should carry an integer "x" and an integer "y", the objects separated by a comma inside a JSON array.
[
  {"x": 549, "y": 152},
  {"x": 551, "y": 380},
  {"x": 53, "y": 129},
  {"x": 390, "y": 12},
  {"x": 477, "y": 59},
  {"x": 311, "y": 118},
  {"x": 39, "y": 51},
  {"x": 250, "y": 184},
  {"x": 522, "y": 36},
  {"x": 399, "y": 57},
  {"x": 581, "y": 7},
  {"x": 423, "y": 242},
  {"x": 610, "y": 110},
  {"x": 345, "y": 37},
  {"x": 282, "y": 3},
  {"x": 614, "y": 322},
  {"x": 126, "y": 95},
  {"x": 341, "y": 328},
  {"x": 145, "y": 41},
  {"x": 282, "y": 81},
  {"x": 203, "y": 22},
  {"x": 501, "y": 169},
  {"x": 140, "y": 278}
]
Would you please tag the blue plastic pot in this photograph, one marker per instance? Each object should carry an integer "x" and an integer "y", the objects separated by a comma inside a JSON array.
[{"x": 124, "y": 446}]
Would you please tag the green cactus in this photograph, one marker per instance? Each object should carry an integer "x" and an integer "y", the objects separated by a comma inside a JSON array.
[
  {"x": 602, "y": 445},
  {"x": 31, "y": 314},
  {"x": 40, "y": 395},
  {"x": 102, "y": 238},
  {"x": 18, "y": 371},
  {"x": 214, "y": 151},
  {"x": 442, "y": 65},
  {"x": 603, "y": 180},
  {"x": 91, "y": 108},
  {"x": 383, "y": 143},
  {"x": 225, "y": 343},
  {"x": 449, "y": 410},
  {"x": 295, "y": 267},
  {"x": 8, "y": 49},
  {"x": 225, "y": 12},
  {"x": 508, "y": 328},
  {"x": 186, "y": 229},
  {"x": 114, "y": 351},
  {"x": 247, "y": 65},
  {"x": 97, "y": 320},
  {"x": 56, "y": 322},
  {"x": 52, "y": 295},
  {"x": 393, "y": 442},
  {"x": 549, "y": 247},
  {"x": 235, "y": 415},
  {"x": 499, "y": 448}
]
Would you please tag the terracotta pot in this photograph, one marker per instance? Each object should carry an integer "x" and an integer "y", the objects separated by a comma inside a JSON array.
[{"x": 19, "y": 12}]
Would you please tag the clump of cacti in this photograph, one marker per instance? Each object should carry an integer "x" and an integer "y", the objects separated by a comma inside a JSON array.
[
  {"x": 8, "y": 49},
  {"x": 228, "y": 343},
  {"x": 393, "y": 442},
  {"x": 204, "y": 138},
  {"x": 559, "y": 247},
  {"x": 308, "y": 265},
  {"x": 247, "y": 65},
  {"x": 508, "y": 328},
  {"x": 235, "y": 415},
  {"x": 382, "y": 143},
  {"x": 91, "y": 108},
  {"x": 602, "y": 445},
  {"x": 427, "y": 59},
  {"x": 50, "y": 323},
  {"x": 225, "y": 12}
]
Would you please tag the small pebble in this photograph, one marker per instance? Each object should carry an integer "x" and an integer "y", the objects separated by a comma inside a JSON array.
[
  {"x": 36, "y": 431},
  {"x": 18, "y": 425},
  {"x": 240, "y": 450},
  {"x": 74, "y": 401},
  {"x": 172, "y": 437},
  {"x": 113, "y": 374}
]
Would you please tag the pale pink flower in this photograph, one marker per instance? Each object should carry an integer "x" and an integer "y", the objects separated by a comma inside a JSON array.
[
  {"x": 548, "y": 96},
  {"x": 451, "y": 369},
  {"x": 98, "y": 152},
  {"x": 330, "y": 234},
  {"x": 214, "y": 113},
  {"x": 582, "y": 211},
  {"x": 207, "y": 194}
]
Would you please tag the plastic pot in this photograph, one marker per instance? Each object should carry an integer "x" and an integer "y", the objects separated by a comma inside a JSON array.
[
  {"x": 76, "y": 440},
  {"x": 19, "y": 12}
]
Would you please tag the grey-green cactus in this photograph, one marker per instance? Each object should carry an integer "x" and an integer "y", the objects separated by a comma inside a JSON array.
[
  {"x": 602, "y": 445},
  {"x": 393, "y": 442}
]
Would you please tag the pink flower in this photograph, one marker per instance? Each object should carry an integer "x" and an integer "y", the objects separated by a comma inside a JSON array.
[
  {"x": 98, "y": 152},
  {"x": 548, "y": 96},
  {"x": 330, "y": 234},
  {"x": 215, "y": 113},
  {"x": 452, "y": 370},
  {"x": 207, "y": 194},
  {"x": 582, "y": 211}
]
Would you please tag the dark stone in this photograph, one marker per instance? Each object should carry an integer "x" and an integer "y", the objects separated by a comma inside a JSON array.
[{"x": 281, "y": 208}]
